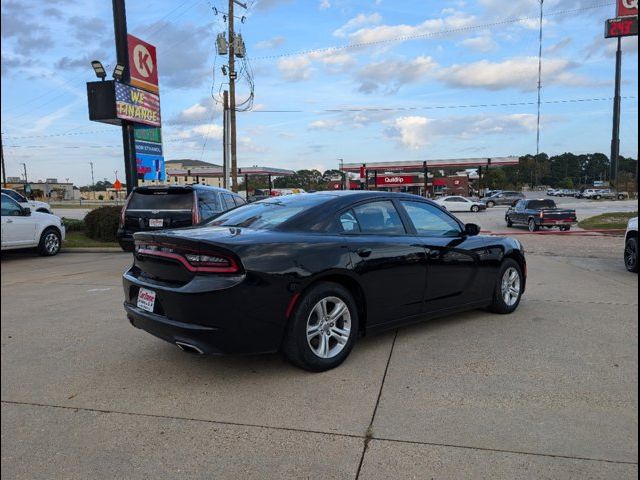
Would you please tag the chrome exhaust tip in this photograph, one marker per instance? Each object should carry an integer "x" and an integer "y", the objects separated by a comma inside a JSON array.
[{"x": 187, "y": 347}]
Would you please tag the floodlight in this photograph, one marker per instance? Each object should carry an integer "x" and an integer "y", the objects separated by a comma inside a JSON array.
[
  {"x": 99, "y": 69},
  {"x": 118, "y": 72},
  {"x": 224, "y": 70}
]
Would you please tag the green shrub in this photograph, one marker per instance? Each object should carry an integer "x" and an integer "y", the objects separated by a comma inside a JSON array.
[
  {"x": 73, "y": 225},
  {"x": 102, "y": 223}
]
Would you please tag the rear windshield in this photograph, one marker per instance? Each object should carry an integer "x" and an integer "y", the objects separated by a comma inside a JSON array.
[
  {"x": 269, "y": 214},
  {"x": 540, "y": 204},
  {"x": 161, "y": 200}
]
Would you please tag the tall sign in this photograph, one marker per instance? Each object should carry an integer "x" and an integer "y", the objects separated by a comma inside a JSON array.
[
  {"x": 143, "y": 65},
  {"x": 627, "y": 8},
  {"x": 624, "y": 25}
]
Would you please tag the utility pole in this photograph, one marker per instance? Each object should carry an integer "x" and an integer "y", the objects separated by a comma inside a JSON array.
[
  {"x": 225, "y": 140},
  {"x": 4, "y": 172},
  {"x": 535, "y": 164},
  {"x": 24, "y": 166},
  {"x": 122, "y": 54},
  {"x": 615, "y": 137},
  {"x": 232, "y": 93},
  {"x": 93, "y": 182}
]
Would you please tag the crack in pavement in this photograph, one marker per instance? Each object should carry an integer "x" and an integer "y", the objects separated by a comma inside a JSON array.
[{"x": 367, "y": 438}]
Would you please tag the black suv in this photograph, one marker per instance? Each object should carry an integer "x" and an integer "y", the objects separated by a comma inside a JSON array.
[{"x": 160, "y": 207}]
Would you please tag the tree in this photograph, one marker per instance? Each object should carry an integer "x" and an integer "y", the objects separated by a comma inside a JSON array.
[{"x": 494, "y": 179}]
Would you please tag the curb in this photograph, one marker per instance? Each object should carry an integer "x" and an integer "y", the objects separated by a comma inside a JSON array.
[{"x": 93, "y": 250}]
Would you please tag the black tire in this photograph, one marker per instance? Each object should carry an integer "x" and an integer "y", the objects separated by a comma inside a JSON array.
[
  {"x": 533, "y": 227},
  {"x": 499, "y": 304},
  {"x": 598, "y": 197},
  {"x": 297, "y": 348},
  {"x": 565, "y": 228},
  {"x": 509, "y": 222},
  {"x": 475, "y": 208},
  {"x": 491, "y": 204},
  {"x": 631, "y": 254},
  {"x": 621, "y": 197},
  {"x": 50, "y": 242}
]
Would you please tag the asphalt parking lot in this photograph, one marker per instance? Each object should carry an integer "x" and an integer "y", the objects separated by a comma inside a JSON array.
[{"x": 548, "y": 392}]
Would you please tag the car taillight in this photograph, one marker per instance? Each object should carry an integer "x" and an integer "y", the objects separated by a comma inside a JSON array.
[
  {"x": 123, "y": 212},
  {"x": 195, "y": 211},
  {"x": 194, "y": 261}
]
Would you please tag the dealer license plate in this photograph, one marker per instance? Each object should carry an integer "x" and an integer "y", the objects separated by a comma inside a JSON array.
[
  {"x": 146, "y": 299},
  {"x": 156, "y": 222}
]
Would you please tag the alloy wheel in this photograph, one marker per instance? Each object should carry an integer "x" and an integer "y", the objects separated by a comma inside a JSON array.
[
  {"x": 631, "y": 255},
  {"x": 51, "y": 243},
  {"x": 510, "y": 286},
  {"x": 328, "y": 327}
]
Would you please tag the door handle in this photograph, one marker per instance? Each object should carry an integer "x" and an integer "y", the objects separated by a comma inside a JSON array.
[
  {"x": 432, "y": 254},
  {"x": 364, "y": 252},
  {"x": 9, "y": 221}
]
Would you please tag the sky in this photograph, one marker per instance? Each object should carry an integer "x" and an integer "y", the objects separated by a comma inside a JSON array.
[{"x": 359, "y": 80}]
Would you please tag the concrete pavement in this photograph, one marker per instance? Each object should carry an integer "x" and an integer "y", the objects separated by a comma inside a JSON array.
[{"x": 548, "y": 392}]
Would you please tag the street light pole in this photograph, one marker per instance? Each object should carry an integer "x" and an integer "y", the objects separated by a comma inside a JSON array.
[{"x": 24, "y": 166}]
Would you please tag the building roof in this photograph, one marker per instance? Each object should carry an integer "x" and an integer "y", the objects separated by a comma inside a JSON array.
[
  {"x": 216, "y": 171},
  {"x": 191, "y": 163},
  {"x": 418, "y": 165}
]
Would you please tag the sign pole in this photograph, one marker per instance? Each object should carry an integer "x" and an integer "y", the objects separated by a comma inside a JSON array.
[
  {"x": 615, "y": 137},
  {"x": 122, "y": 54}
]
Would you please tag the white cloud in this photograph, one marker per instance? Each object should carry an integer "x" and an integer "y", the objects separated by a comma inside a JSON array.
[
  {"x": 392, "y": 74},
  {"x": 325, "y": 125},
  {"x": 295, "y": 69},
  {"x": 417, "y": 132},
  {"x": 383, "y": 33},
  {"x": 356, "y": 22},
  {"x": 482, "y": 43},
  {"x": 324, "y": 4},
  {"x": 519, "y": 72},
  {"x": 203, "y": 111},
  {"x": 274, "y": 42}
]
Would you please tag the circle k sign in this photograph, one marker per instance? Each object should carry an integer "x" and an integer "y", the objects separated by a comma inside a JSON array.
[{"x": 142, "y": 64}]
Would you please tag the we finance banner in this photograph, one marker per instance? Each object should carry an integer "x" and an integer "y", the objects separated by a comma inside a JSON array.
[{"x": 137, "y": 105}]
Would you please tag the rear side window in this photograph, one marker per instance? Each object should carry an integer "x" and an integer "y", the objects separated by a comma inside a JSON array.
[
  {"x": 228, "y": 202},
  {"x": 239, "y": 201},
  {"x": 161, "y": 200},
  {"x": 379, "y": 218},
  {"x": 540, "y": 204},
  {"x": 208, "y": 204}
]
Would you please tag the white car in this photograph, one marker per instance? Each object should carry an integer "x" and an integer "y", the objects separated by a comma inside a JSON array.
[
  {"x": 34, "y": 205},
  {"x": 460, "y": 204},
  {"x": 631, "y": 246},
  {"x": 22, "y": 228}
]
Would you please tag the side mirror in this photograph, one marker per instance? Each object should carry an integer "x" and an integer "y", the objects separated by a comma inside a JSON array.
[
  {"x": 26, "y": 212},
  {"x": 471, "y": 229}
]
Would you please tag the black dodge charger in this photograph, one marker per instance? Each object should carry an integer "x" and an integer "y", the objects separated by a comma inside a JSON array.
[{"x": 307, "y": 274}]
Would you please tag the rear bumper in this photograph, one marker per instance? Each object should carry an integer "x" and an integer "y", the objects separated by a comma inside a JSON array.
[
  {"x": 219, "y": 316},
  {"x": 550, "y": 222},
  {"x": 125, "y": 239}
]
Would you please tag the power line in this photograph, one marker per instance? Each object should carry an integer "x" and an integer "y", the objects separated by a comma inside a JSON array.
[
  {"x": 432, "y": 34},
  {"x": 366, "y": 109}
]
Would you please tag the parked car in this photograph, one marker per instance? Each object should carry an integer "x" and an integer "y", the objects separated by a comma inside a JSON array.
[
  {"x": 551, "y": 191},
  {"x": 306, "y": 274},
  {"x": 503, "y": 198},
  {"x": 538, "y": 214},
  {"x": 631, "y": 246},
  {"x": 609, "y": 194},
  {"x": 159, "y": 207},
  {"x": 460, "y": 204},
  {"x": 22, "y": 228},
  {"x": 34, "y": 205}
]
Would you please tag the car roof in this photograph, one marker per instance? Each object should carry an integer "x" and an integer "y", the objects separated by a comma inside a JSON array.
[{"x": 195, "y": 186}]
